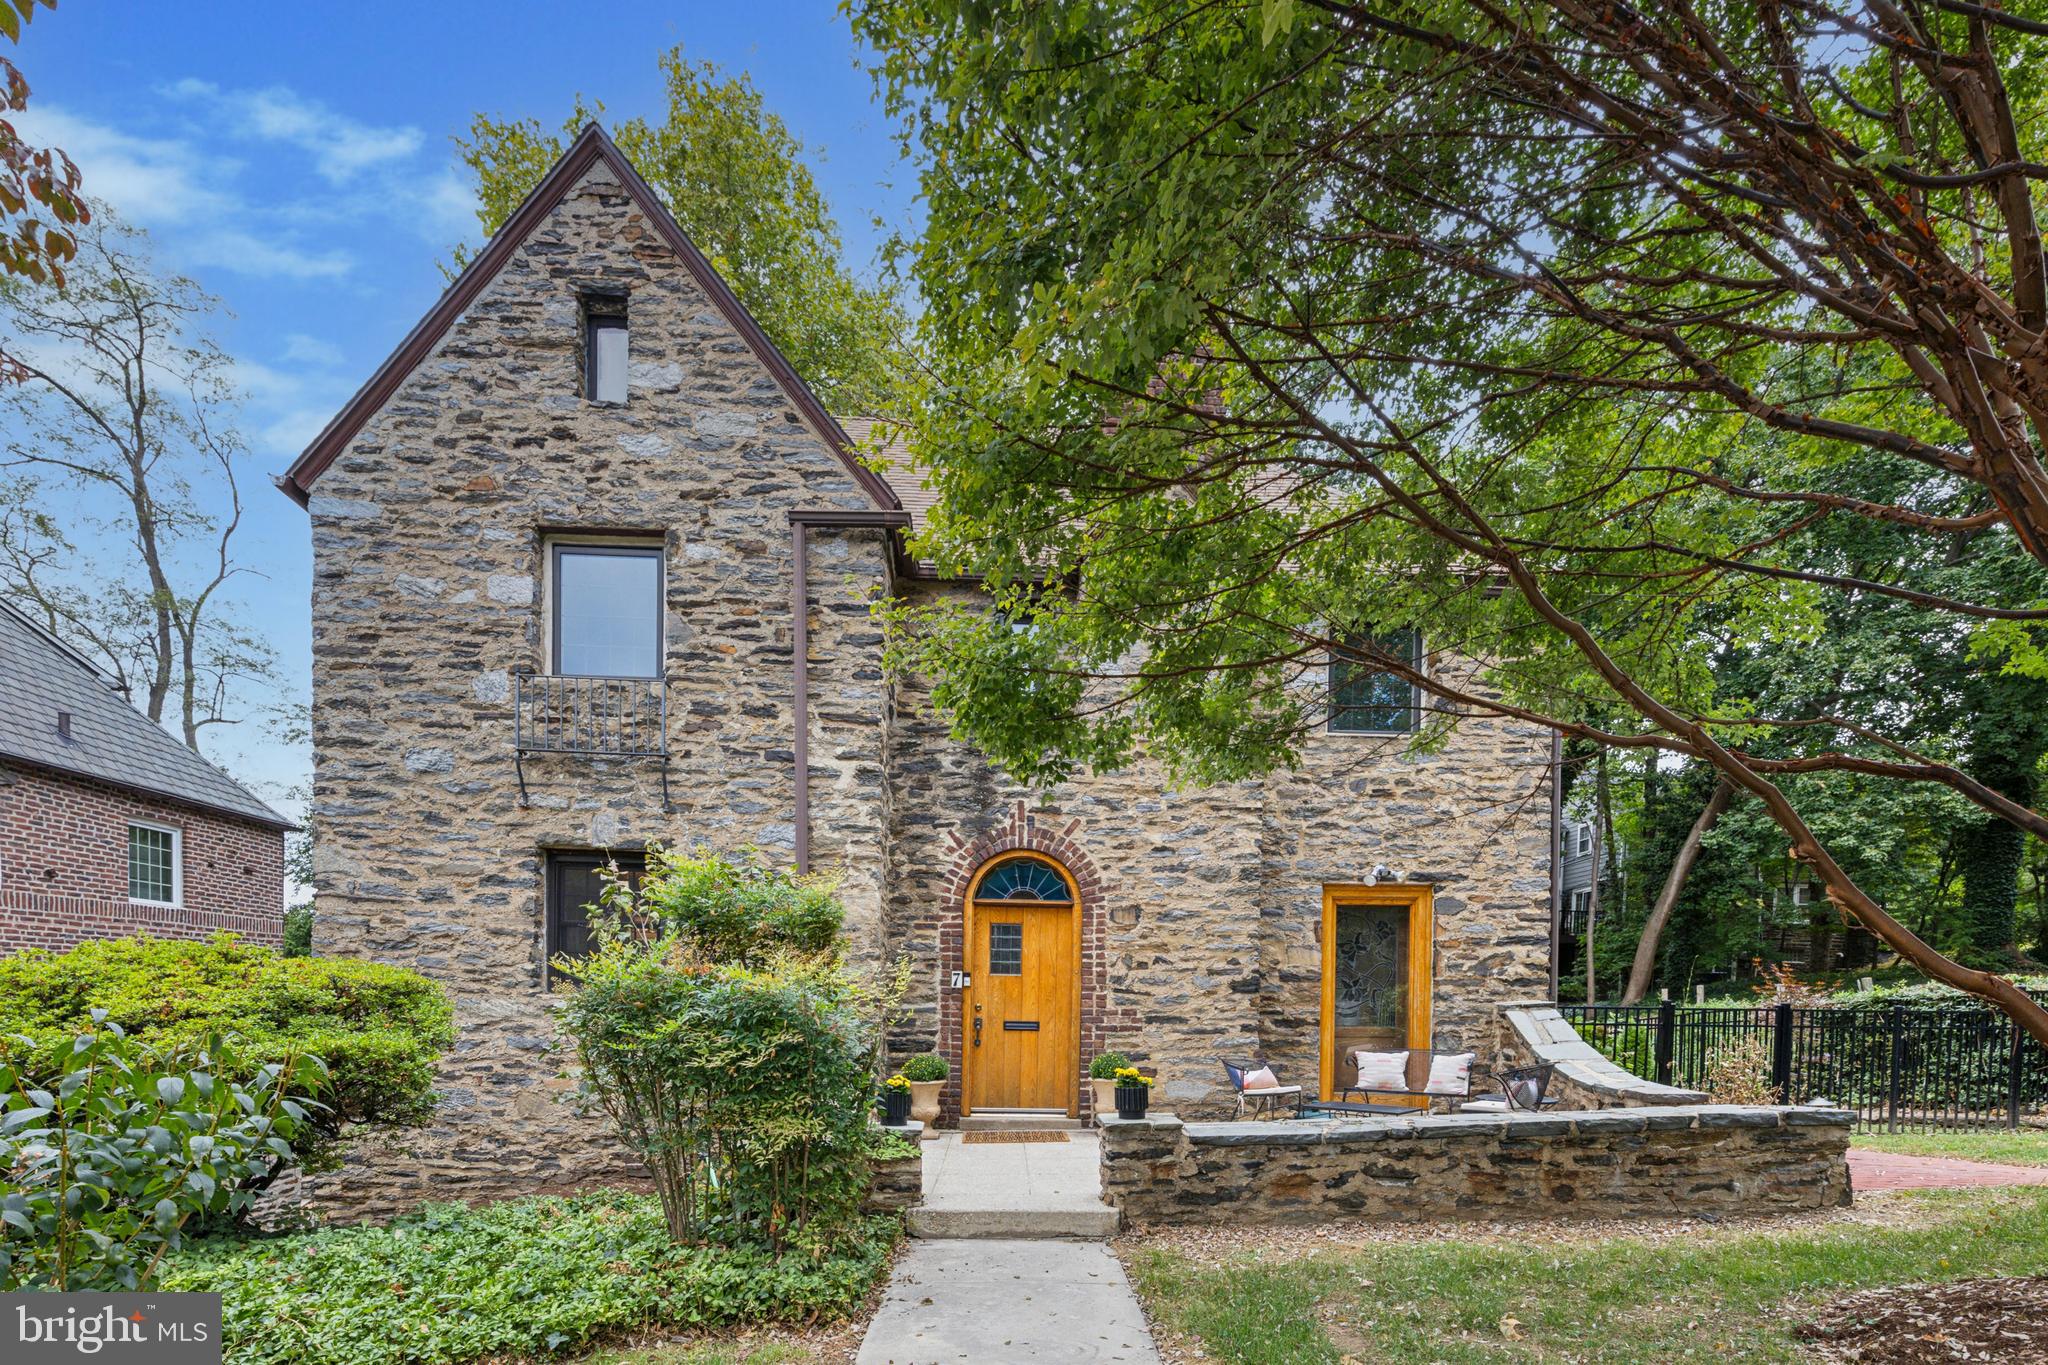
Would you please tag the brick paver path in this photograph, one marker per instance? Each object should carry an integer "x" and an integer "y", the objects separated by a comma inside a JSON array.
[{"x": 1871, "y": 1171}]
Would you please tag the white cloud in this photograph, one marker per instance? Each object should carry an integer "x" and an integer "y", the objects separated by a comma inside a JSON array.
[
  {"x": 341, "y": 147},
  {"x": 308, "y": 350},
  {"x": 246, "y": 254},
  {"x": 150, "y": 180}
]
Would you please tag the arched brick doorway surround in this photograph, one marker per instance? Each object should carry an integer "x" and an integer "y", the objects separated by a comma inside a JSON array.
[{"x": 1028, "y": 831}]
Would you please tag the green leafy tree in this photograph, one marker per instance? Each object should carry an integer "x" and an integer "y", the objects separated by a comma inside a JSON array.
[
  {"x": 1557, "y": 332},
  {"x": 737, "y": 181}
]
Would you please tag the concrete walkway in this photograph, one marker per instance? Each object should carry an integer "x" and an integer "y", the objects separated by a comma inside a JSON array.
[
  {"x": 1870, "y": 1172},
  {"x": 992, "y": 1301},
  {"x": 1013, "y": 1189},
  {"x": 995, "y": 1271}
]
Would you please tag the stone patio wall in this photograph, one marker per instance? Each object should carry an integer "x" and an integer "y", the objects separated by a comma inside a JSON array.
[{"x": 1676, "y": 1161}]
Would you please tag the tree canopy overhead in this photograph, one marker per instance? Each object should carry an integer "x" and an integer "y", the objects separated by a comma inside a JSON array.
[
  {"x": 736, "y": 179},
  {"x": 1589, "y": 340}
]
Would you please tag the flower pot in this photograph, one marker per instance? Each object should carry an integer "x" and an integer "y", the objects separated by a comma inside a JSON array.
[
  {"x": 1131, "y": 1101},
  {"x": 1104, "y": 1092},
  {"x": 924, "y": 1104},
  {"x": 895, "y": 1107}
]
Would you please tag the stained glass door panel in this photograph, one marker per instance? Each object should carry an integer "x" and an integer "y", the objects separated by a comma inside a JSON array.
[{"x": 1369, "y": 959}]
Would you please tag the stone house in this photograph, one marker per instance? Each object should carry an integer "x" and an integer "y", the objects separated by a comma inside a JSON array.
[
  {"x": 592, "y": 568},
  {"x": 108, "y": 825}
]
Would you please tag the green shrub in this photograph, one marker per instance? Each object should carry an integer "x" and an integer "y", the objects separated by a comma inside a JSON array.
[
  {"x": 106, "y": 1161},
  {"x": 1105, "y": 1067},
  {"x": 379, "y": 1028},
  {"x": 298, "y": 931},
  {"x": 744, "y": 1090},
  {"x": 926, "y": 1066},
  {"x": 740, "y": 913},
  {"x": 524, "y": 1277}
]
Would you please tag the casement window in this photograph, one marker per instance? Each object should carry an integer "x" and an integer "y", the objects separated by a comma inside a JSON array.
[
  {"x": 605, "y": 609},
  {"x": 604, "y": 348},
  {"x": 576, "y": 883},
  {"x": 156, "y": 864},
  {"x": 1369, "y": 701}
]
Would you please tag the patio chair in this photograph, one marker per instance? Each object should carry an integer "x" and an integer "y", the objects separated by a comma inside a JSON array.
[
  {"x": 1522, "y": 1088},
  {"x": 1265, "y": 1100}
]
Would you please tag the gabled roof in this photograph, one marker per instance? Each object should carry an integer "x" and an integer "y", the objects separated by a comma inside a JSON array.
[
  {"x": 110, "y": 740},
  {"x": 591, "y": 147}
]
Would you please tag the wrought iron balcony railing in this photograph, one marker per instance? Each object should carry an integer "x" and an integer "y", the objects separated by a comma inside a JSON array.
[{"x": 596, "y": 717}]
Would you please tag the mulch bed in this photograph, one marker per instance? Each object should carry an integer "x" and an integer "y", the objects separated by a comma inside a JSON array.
[
  {"x": 1053, "y": 1136},
  {"x": 2002, "y": 1318}
]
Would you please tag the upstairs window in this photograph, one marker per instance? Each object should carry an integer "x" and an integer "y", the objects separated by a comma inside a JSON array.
[
  {"x": 607, "y": 608},
  {"x": 1585, "y": 839},
  {"x": 1370, "y": 701},
  {"x": 604, "y": 348},
  {"x": 156, "y": 873}
]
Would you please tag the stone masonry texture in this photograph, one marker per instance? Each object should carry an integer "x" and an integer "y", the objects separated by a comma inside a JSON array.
[
  {"x": 1201, "y": 907},
  {"x": 64, "y": 866},
  {"x": 1670, "y": 1161}
]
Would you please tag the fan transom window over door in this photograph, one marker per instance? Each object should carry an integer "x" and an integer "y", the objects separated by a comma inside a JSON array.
[{"x": 1021, "y": 1010}]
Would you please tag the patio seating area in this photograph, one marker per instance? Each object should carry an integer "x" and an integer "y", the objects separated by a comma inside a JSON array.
[{"x": 1415, "y": 1079}]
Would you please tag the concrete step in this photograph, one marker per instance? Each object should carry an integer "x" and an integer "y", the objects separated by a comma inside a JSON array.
[
  {"x": 1090, "y": 1224},
  {"x": 1019, "y": 1121}
]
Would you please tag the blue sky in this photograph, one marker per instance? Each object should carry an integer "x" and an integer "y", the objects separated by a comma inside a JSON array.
[{"x": 295, "y": 159}]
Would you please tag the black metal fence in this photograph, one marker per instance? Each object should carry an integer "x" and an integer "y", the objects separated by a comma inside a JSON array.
[{"x": 1897, "y": 1066}]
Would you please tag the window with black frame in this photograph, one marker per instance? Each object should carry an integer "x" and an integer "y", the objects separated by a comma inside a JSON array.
[
  {"x": 576, "y": 883},
  {"x": 1370, "y": 700}
]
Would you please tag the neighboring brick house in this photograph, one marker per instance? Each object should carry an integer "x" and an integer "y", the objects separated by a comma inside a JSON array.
[
  {"x": 108, "y": 825},
  {"x": 576, "y": 511}
]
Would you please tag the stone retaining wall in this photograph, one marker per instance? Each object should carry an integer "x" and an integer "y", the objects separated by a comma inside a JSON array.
[{"x": 1677, "y": 1161}]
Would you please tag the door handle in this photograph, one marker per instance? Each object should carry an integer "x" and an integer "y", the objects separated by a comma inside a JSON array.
[{"x": 977, "y": 1030}]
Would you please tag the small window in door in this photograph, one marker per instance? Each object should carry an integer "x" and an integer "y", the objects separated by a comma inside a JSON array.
[
  {"x": 575, "y": 884},
  {"x": 604, "y": 348},
  {"x": 1006, "y": 950}
]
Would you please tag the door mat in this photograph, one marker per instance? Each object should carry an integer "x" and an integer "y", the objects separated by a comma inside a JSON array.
[{"x": 1024, "y": 1136}]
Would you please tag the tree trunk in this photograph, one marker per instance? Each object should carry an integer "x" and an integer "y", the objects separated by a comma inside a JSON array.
[
  {"x": 1989, "y": 852},
  {"x": 1644, "y": 967}
]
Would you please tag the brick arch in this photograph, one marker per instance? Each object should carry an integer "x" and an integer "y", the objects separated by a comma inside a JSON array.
[{"x": 1028, "y": 831}]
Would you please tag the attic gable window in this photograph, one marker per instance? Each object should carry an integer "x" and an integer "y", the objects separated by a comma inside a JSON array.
[{"x": 604, "y": 348}]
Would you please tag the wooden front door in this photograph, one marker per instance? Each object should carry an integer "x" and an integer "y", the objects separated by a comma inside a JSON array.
[
  {"x": 1379, "y": 943},
  {"x": 1021, "y": 1007}
]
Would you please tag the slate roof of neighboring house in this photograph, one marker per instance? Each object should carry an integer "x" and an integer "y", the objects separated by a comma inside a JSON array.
[{"x": 110, "y": 740}]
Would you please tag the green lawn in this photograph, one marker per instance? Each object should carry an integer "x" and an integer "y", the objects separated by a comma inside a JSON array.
[
  {"x": 1723, "y": 1296},
  {"x": 2024, "y": 1147}
]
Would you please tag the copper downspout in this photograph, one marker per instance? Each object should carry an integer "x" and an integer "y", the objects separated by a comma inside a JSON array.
[
  {"x": 1556, "y": 856},
  {"x": 800, "y": 643}
]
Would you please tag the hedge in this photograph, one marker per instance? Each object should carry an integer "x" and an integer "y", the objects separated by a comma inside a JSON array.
[{"x": 378, "y": 1028}]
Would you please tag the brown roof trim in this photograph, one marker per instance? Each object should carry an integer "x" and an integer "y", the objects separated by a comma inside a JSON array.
[
  {"x": 833, "y": 516},
  {"x": 590, "y": 147}
]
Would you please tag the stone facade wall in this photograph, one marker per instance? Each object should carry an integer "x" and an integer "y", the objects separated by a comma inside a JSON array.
[
  {"x": 429, "y": 595},
  {"x": 64, "y": 866},
  {"x": 1201, "y": 907},
  {"x": 1671, "y": 1162}
]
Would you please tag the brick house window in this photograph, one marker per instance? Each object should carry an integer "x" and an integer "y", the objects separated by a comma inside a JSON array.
[
  {"x": 606, "y": 610},
  {"x": 1368, "y": 701},
  {"x": 156, "y": 871},
  {"x": 575, "y": 882},
  {"x": 604, "y": 348}
]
